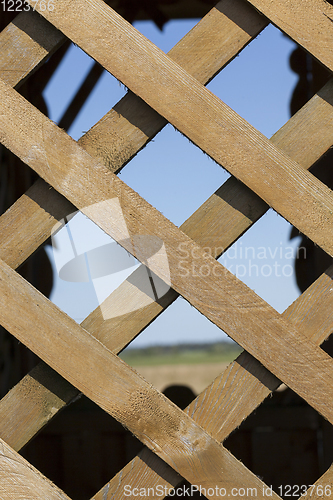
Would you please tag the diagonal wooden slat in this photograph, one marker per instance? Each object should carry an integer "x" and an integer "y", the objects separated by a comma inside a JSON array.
[
  {"x": 321, "y": 488},
  {"x": 202, "y": 117},
  {"x": 130, "y": 124},
  {"x": 19, "y": 479},
  {"x": 123, "y": 214},
  {"x": 306, "y": 143},
  {"x": 233, "y": 395},
  {"x": 32, "y": 217},
  {"x": 216, "y": 225},
  {"x": 116, "y": 387},
  {"x": 24, "y": 44},
  {"x": 308, "y": 22}
]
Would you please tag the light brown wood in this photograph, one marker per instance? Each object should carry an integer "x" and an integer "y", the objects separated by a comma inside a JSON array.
[
  {"x": 318, "y": 491},
  {"x": 29, "y": 221},
  {"x": 31, "y": 404},
  {"x": 123, "y": 214},
  {"x": 294, "y": 140},
  {"x": 226, "y": 29},
  {"x": 24, "y": 44},
  {"x": 197, "y": 113},
  {"x": 19, "y": 479},
  {"x": 234, "y": 394},
  {"x": 131, "y": 119},
  {"x": 308, "y": 22},
  {"x": 117, "y": 388}
]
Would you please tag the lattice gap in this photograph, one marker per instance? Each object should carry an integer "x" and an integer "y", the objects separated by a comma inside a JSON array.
[{"x": 264, "y": 259}]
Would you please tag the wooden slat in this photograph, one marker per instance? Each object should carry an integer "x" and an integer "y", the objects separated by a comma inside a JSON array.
[
  {"x": 19, "y": 479},
  {"x": 219, "y": 295},
  {"x": 318, "y": 109},
  {"x": 233, "y": 395},
  {"x": 24, "y": 44},
  {"x": 29, "y": 221},
  {"x": 317, "y": 491},
  {"x": 117, "y": 388},
  {"x": 226, "y": 29},
  {"x": 130, "y": 124},
  {"x": 308, "y": 22},
  {"x": 32, "y": 403},
  {"x": 201, "y": 116},
  {"x": 216, "y": 224}
]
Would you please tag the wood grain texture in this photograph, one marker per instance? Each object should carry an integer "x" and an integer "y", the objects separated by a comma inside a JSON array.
[
  {"x": 27, "y": 224},
  {"x": 238, "y": 196},
  {"x": 19, "y": 479},
  {"x": 32, "y": 403},
  {"x": 308, "y": 22},
  {"x": 24, "y": 44},
  {"x": 198, "y": 114},
  {"x": 126, "y": 128},
  {"x": 116, "y": 387},
  {"x": 29, "y": 221},
  {"x": 124, "y": 215},
  {"x": 233, "y": 395}
]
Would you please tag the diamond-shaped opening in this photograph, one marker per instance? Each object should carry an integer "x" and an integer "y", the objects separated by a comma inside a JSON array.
[
  {"x": 81, "y": 449},
  {"x": 264, "y": 259},
  {"x": 88, "y": 266},
  {"x": 80, "y": 92},
  {"x": 181, "y": 347},
  {"x": 173, "y": 31},
  {"x": 285, "y": 442},
  {"x": 173, "y": 175},
  {"x": 258, "y": 83}
]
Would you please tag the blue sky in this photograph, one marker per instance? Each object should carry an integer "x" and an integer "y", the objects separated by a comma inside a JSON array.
[{"x": 177, "y": 177}]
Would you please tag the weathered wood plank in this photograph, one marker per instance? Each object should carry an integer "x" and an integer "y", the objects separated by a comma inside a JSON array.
[
  {"x": 308, "y": 22},
  {"x": 201, "y": 116},
  {"x": 245, "y": 379},
  {"x": 27, "y": 224},
  {"x": 127, "y": 127},
  {"x": 294, "y": 140},
  {"x": 19, "y": 479},
  {"x": 232, "y": 396},
  {"x": 117, "y": 388},
  {"x": 317, "y": 491},
  {"x": 32, "y": 403},
  {"x": 123, "y": 214},
  {"x": 226, "y": 29},
  {"x": 29, "y": 221},
  {"x": 24, "y": 44}
]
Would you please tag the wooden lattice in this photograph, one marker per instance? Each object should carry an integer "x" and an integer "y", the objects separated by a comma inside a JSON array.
[{"x": 265, "y": 173}]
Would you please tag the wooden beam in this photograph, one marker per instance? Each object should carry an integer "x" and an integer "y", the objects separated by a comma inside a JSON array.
[
  {"x": 317, "y": 113},
  {"x": 117, "y": 388},
  {"x": 124, "y": 215},
  {"x": 308, "y": 22},
  {"x": 24, "y": 44},
  {"x": 296, "y": 194}
]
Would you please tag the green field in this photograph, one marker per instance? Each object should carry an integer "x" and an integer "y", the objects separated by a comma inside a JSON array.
[{"x": 182, "y": 354}]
